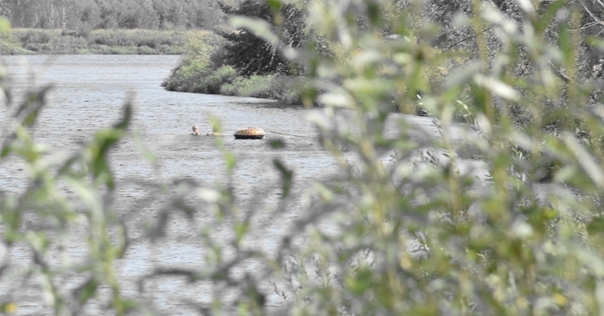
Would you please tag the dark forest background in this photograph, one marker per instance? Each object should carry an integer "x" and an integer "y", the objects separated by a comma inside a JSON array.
[{"x": 109, "y": 14}]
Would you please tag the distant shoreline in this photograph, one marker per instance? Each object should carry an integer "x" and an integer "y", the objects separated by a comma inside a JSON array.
[{"x": 106, "y": 42}]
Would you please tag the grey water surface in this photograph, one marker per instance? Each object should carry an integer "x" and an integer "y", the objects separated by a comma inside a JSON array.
[{"x": 87, "y": 95}]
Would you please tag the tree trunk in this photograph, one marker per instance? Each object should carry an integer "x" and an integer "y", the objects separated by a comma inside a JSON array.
[
  {"x": 63, "y": 20},
  {"x": 52, "y": 24}
]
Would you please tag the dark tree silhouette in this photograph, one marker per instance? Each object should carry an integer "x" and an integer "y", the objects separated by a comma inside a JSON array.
[{"x": 251, "y": 55}]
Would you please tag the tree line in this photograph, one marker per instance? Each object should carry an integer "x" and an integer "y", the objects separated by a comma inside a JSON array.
[
  {"x": 109, "y": 14},
  {"x": 251, "y": 55}
]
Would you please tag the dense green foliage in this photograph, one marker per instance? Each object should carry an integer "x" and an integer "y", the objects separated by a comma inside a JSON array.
[
  {"x": 197, "y": 65},
  {"x": 260, "y": 67},
  {"x": 263, "y": 54},
  {"x": 141, "y": 42},
  {"x": 253, "y": 55},
  {"x": 415, "y": 233}
]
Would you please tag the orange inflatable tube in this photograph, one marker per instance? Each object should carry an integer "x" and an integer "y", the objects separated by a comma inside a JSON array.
[{"x": 249, "y": 133}]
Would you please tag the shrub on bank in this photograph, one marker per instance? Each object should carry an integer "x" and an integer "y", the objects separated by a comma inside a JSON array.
[
  {"x": 28, "y": 36},
  {"x": 67, "y": 45},
  {"x": 198, "y": 77},
  {"x": 261, "y": 70},
  {"x": 274, "y": 87},
  {"x": 216, "y": 79},
  {"x": 185, "y": 76},
  {"x": 144, "y": 42},
  {"x": 201, "y": 70},
  {"x": 254, "y": 86},
  {"x": 11, "y": 48},
  {"x": 31, "y": 36},
  {"x": 148, "y": 38}
]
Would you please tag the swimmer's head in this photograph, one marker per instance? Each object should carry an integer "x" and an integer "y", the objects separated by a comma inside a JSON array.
[{"x": 195, "y": 128}]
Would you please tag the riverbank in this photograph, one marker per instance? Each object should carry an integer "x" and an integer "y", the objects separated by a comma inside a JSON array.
[
  {"x": 105, "y": 42},
  {"x": 226, "y": 81},
  {"x": 202, "y": 70}
]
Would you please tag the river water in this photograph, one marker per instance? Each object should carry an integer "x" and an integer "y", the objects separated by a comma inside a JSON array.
[{"x": 87, "y": 95}]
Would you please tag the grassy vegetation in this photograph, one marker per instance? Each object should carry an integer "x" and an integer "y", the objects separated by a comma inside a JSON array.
[
  {"x": 277, "y": 87},
  {"x": 201, "y": 70},
  {"x": 119, "y": 41},
  {"x": 197, "y": 78}
]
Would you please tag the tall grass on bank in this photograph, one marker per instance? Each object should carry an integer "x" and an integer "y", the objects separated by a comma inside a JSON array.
[
  {"x": 142, "y": 42},
  {"x": 276, "y": 87}
]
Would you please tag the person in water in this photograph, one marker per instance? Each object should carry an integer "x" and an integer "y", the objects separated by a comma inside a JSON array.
[
  {"x": 197, "y": 133},
  {"x": 215, "y": 131}
]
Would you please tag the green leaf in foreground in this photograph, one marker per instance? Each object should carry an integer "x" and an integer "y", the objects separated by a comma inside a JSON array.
[
  {"x": 286, "y": 176},
  {"x": 87, "y": 290}
]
